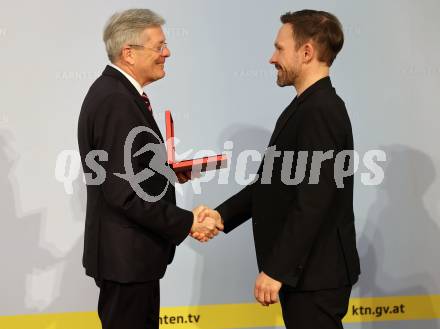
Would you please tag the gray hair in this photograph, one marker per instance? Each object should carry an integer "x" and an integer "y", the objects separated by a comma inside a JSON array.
[{"x": 126, "y": 27}]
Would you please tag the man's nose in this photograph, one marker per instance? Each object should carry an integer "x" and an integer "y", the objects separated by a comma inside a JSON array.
[{"x": 166, "y": 52}]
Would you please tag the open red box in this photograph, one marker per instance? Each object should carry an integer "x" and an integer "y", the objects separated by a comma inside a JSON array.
[{"x": 195, "y": 165}]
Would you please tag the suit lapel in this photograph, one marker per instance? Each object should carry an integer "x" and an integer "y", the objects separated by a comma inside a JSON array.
[
  {"x": 149, "y": 116},
  {"x": 138, "y": 99},
  {"x": 292, "y": 108},
  {"x": 287, "y": 114}
]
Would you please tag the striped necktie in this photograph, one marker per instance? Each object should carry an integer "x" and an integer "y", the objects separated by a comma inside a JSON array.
[{"x": 147, "y": 102}]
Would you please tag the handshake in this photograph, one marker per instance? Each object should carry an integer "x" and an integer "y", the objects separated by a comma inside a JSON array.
[{"x": 207, "y": 223}]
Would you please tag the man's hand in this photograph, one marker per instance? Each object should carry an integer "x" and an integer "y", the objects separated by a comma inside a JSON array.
[
  {"x": 185, "y": 176},
  {"x": 204, "y": 214},
  {"x": 203, "y": 230},
  {"x": 266, "y": 289}
]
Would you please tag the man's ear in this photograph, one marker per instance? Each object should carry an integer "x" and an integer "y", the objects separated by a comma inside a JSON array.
[
  {"x": 127, "y": 55},
  {"x": 308, "y": 52}
]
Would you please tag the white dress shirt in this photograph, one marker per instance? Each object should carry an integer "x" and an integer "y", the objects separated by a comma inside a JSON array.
[{"x": 130, "y": 78}]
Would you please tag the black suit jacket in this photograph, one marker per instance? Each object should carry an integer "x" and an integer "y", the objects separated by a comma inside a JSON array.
[
  {"x": 126, "y": 238},
  {"x": 304, "y": 233}
]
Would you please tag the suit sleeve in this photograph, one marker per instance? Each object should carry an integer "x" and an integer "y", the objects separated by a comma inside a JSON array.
[
  {"x": 237, "y": 209},
  {"x": 116, "y": 117},
  {"x": 318, "y": 132}
]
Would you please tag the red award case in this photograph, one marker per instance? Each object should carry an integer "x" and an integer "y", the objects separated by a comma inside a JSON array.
[{"x": 195, "y": 165}]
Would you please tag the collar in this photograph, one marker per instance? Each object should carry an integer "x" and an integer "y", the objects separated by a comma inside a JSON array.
[
  {"x": 320, "y": 84},
  {"x": 129, "y": 78}
]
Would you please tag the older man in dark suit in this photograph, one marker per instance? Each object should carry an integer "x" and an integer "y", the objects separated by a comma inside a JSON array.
[{"x": 132, "y": 225}]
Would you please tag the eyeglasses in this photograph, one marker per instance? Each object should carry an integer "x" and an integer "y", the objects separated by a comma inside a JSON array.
[{"x": 159, "y": 49}]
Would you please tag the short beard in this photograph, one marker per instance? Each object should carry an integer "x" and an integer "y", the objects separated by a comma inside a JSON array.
[{"x": 286, "y": 78}]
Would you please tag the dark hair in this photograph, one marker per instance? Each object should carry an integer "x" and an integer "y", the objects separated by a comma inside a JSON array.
[{"x": 323, "y": 28}]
